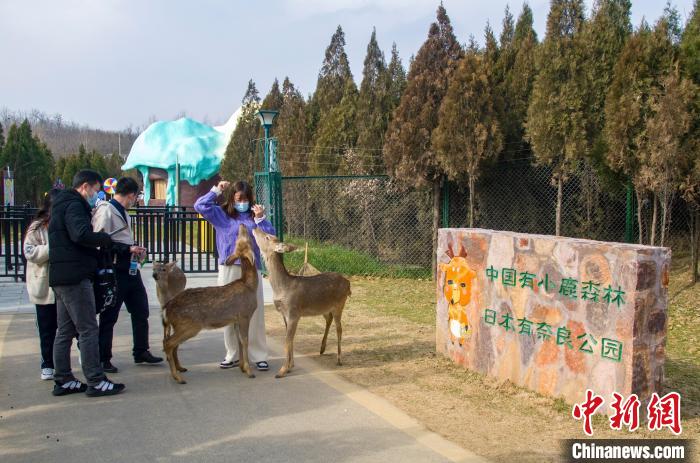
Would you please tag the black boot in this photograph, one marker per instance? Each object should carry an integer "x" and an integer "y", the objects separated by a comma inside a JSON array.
[{"x": 147, "y": 357}]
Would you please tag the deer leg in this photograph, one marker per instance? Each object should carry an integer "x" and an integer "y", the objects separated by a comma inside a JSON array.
[
  {"x": 178, "y": 366},
  {"x": 329, "y": 319},
  {"x": 338, "y": 330},
  {"x": 289, "y": 348},
  {"x": 171, "y": 344},
  {"x": 242, "y": 332}
]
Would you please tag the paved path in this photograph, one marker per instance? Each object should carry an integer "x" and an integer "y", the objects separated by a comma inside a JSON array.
[{"x": 312, "y": 415}]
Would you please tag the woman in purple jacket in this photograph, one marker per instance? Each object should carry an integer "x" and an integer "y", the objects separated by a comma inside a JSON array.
[{"x": 238, "y": 207}]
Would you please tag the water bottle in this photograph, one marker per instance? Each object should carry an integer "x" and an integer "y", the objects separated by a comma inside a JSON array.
[{"x": 134, "y": 265}]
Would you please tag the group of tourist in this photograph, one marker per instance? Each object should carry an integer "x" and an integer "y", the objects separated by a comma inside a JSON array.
[{"x": 73, "y": 233}]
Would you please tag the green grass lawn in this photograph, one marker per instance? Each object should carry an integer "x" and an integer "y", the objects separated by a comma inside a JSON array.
[{"x": 328, "y": 257}]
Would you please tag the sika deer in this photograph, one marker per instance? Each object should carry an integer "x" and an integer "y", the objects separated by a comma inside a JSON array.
[
  {"x": 170, "y": 281},
  {"x": 214, "y": 307},
  {"x": 301, "y": 296}
]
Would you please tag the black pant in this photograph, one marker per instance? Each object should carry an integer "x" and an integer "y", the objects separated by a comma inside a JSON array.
[
  {"x": 47, "y": 324},
  {"x": 130, "y": 290}
]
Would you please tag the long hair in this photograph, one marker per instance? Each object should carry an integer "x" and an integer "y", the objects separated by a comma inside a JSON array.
[
  {"x": 44, "y": 214},
  {"x": 229, "y": 203}
]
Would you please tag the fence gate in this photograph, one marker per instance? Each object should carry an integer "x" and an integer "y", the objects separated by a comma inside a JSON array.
[{"x": 176, "y": 233}]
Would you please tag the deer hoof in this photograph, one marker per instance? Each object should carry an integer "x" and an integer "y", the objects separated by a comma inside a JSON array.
[
  {"x": 339, "y": 363},
  {"x": 251, "y": 375},
  {"x": 281, "y": 374},
  {"x": 182, "y": 369},
  {"x": 180, "y": 381}
]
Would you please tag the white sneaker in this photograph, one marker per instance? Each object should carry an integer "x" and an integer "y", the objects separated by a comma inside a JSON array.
[{"x": 46, "y": 373}]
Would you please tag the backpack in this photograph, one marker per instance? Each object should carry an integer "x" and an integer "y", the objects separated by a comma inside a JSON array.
[{"x": 105, "y": 283}]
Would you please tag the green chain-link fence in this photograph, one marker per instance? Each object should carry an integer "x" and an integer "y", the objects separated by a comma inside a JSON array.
[{"x": 370, "y": 225}]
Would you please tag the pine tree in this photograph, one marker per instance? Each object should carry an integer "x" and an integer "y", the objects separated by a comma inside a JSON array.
[
  {"x": 508, "y": 30},
  {"x": 371, "y": 109},
  {"x": 601, "y": 42},
  {"x": 690, "y": 45},
  {"x": 690, "y": 186},
  {"x": 468, "y": 132},
  {"x": 290, "y": 130},
  {"x": 408, "y": 154},
  {"x": 556, "y": 115},
  {"x": 332, "y": 79},
  {"x": 643, "y": 63},
  {"x": 274, "y": 99},
  {"x": 518, "y": 67},
  {"x": 337, "y": 134},
  {"x": 2, "y": 139},
  {"x": 239, "y": 161},
  {"x": 30, "y": 161},
  {"x": 668, "y": 132},
  {"x": 396, "y": 82}
]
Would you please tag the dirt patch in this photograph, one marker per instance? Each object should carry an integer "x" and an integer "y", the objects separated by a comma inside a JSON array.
[{"x": 389, "y": 348}]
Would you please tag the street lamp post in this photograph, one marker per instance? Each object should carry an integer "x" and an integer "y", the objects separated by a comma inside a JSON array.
[
  {"x": 273, "y": 183},
  {"x": 267, "y": 117}
]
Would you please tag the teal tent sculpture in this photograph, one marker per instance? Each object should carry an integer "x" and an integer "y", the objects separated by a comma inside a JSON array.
[{"x": 197, "y": 147}]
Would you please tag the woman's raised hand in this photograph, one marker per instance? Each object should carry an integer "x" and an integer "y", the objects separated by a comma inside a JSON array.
[
  {"x": 259, "y": 210},
  {"x": 222, "y": 185}
]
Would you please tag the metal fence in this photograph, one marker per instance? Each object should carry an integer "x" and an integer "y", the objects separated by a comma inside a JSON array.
[
  {"x": 176, "y": 233},
  {"x": 370, "y": 225},
  {"x": 14, "y": 222},
  {"x": 168, "y": 233}
]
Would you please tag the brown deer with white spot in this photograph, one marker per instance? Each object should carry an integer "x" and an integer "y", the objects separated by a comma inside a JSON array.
[{"x": 214, "y": 307}]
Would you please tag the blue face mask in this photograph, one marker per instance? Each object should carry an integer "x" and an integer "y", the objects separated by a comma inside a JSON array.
[
  {"x": 242, "y": 207},
  {"x": 92, "y": 200}
]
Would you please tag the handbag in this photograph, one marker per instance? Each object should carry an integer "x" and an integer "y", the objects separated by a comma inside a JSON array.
[{"x": 105, "y": 285}]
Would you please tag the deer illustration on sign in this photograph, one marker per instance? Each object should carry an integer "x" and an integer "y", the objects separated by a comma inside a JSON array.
[{"x": 457, "y": 288}]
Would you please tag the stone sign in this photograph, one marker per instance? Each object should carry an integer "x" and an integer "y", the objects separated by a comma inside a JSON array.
[{"x": 556, "y": 315}]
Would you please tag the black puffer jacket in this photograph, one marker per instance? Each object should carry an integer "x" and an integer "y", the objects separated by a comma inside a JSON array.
[{"x": 72, "y": 243}]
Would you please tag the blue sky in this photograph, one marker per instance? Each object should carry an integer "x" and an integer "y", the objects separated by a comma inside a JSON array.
[{"x": 111, "y": 63}]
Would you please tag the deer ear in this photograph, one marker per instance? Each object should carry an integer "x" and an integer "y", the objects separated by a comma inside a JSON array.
[{"x": 231, "y": 259}]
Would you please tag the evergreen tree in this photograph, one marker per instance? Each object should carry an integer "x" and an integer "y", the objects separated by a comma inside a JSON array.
[
  {"x": 668, "y": 132},
  {"x": 337, "y": 133},
  {"x": 290, "y": 130},
  {"x": 274, "y": 99},
  {"x": 518, "y": 68},
  {"x": 396, "y": 82},
  {"x": 556, "y": 115},
  {"x": 643, "y": 63},
  {"x": 468, "y": 131},
  {"x": 508, "y": 30},
  {"x": 30, "y": 161},
  {"x": 2, "y": 139},
  {"x": 240, "y": 157},
  {"x": 690, "y": 45},
  {"x": 690, "y": 186},
  {"x": 331, "y": 83},
  {"x": 601, "y": 42},
  {"x": 371, "y": 109},
  {"x": 408, "y": 154}
]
